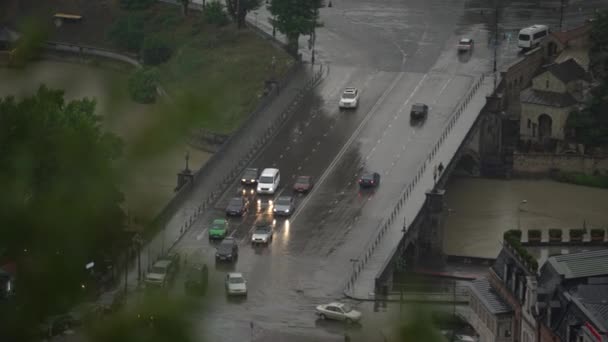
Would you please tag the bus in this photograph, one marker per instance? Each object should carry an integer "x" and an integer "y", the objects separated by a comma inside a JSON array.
[{"x": 530, "y": 37}]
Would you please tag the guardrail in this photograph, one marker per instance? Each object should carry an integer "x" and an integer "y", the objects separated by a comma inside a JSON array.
[{"x": 368, "y": 250}]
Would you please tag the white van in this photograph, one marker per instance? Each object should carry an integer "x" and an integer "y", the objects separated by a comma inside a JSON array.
[
  {"x": 530, "y": 37},
  {"x": 268, "y": 182}
]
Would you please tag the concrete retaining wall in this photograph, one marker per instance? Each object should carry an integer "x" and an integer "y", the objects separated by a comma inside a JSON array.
[{"x": 541, "y": 164}]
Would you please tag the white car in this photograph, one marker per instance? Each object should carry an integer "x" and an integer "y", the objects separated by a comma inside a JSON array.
[
  {"x": 465, "y": 44},
  {"x": 236, "y": 284},
  {"x": 262, "y": 234},
  {"x": 338, "y": 311},
  {"x": 350, "y": 98}
]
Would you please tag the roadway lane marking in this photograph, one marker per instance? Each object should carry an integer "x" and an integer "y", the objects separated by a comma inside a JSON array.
[
  {"x": 346, "y": 145},
  {"x": 441, "y": 91}
]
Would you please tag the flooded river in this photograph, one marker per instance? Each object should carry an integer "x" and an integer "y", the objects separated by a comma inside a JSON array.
[{"x": 480, "y": 210}]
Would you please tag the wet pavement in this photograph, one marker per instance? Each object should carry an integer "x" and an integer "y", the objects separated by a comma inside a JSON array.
[{"x": 396, "y": 54}]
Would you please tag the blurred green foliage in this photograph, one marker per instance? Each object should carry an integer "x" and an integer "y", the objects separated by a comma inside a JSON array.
[
  {"x": 142, "y": 85},
  {"x": 60, "y": 204},
  {"x": 294, "y": 18},
  {"x": 215, "y": 14},
  {"x": 136, "y": 4}
]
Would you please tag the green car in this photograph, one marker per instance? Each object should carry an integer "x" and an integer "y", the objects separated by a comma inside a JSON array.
[{"x": 219, "y": 229}]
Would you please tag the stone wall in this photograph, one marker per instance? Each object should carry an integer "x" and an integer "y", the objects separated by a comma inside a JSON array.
[
  {"x": 517, "y": 76},
  {"x": 540, "y": 163},
  {"x": 532, "y": 112}
]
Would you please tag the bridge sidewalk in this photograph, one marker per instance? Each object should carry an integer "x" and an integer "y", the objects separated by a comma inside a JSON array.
[{"x": 363, "y": 286}]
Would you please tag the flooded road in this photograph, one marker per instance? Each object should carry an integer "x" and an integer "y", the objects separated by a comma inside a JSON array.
[{"x": 480, "y": 210}]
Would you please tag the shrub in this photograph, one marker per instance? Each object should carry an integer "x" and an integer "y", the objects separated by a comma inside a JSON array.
[
  {"x": 577, "y": 232},
  {"x": 214, "y": 14},
  {"x": 512, "y": 233},
  {"x": 534, "y": 233},
  {"x": 128, "y": 32},
  {"x": 142, "y": 85},
  {"x": 155, "y": 50},
  {"x": 555, "y": 233},
  {"x": 511, "y": 239},
  {"x": 136, "y": 4},
  {"x": 597, "y": 232}
]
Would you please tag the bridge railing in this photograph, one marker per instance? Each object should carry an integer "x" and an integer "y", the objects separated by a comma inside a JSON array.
[{"x": 370, "y": 247}]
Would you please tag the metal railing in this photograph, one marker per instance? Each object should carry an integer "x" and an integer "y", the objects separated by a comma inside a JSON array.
[{"x": 369, "y": 249}]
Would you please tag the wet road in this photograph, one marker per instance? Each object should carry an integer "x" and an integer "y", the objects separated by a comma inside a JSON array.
[{"x": 396, "y": 54}]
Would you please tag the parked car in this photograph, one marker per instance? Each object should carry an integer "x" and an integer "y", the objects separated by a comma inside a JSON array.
[
  {"x": 219, "y": 229},
  {"x": 249, "y": 176},
  {"x": 350, "y": 98},
  {"x": 303, "y": 184},
  {"x": 161, "y": 274},
  {"x": 262, "y": 234},
  {"x": 228, "y": 250},
  {"x": 465, "y": 44},
  {"x": 419, "y": 111},
  {"x": 370, "y": 179},
  {"x": 197, "y": 278},
  {"x": 284, "y": 206},
  {"x": 338, "y": 311},
  {"x": 236, "y": 284},
  {"x": 237, "y": 206}
]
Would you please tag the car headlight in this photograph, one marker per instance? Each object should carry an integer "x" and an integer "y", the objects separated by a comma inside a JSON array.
[
  {"x": 275, "y": 210},
  {"x": 229, "y": 255},
  {"x": 253, "y": 180},
  {"x": 286, "y": 210},
  {"x": 243, "y": 180}
]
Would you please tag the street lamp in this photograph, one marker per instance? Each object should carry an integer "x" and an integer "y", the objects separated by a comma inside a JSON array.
[{"x": 519, "y": 213}]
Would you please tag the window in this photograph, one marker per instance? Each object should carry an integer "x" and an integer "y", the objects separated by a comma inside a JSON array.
[
  {"x": 529, "y": 123},
  {"x": 547, "y": 83}
]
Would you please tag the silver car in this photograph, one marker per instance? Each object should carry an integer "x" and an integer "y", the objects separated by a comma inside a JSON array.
[
  {"x": 236, "y": 285},
  {"x": 284, "y": 206},
  {"x": 262, "y": 234},
  {"x": 338, "y": 311}
]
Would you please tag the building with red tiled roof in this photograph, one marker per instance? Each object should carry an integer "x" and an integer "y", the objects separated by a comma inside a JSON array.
[{"x": 574, "y": 43}]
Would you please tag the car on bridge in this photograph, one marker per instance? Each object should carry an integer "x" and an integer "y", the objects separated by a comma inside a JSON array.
[
  {"x": 237, "y": 206},
  {"x": 350, "y": 98},
  {"x": 219, "y": 229},
  {"x": 284, "y": 206},
  {"x": 303, "y": 184},
  {"x": 338, "y": 311},
  {"x": 262, "y": 233},
  {"x": 369, "y": 180},
  {"x": 228, "y": 250},
  {"x": 249, "y": 176},
  {"x": 419, "y": 111},
  {"x": 465, "y": 45},
  {"x": 236, "y": 285}
]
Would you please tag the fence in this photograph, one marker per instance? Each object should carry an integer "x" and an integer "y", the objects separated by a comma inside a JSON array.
[
  {"x": 368, "y": 250},
  {"x": 89, "y": 50}
]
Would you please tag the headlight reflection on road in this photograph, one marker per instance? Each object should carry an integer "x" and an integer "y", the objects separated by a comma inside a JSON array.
[{"x": 286, "y": 228}]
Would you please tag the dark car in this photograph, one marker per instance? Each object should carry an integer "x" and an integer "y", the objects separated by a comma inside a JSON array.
[
  {"x": 284, "y": 206},
  {"x": 237, "y": 206},
  {"x": 196, "y": 280},
  {"x": 228, "y": 250},
  {"x": 419, "y": 111},
  {"x": 249, "y": 176},
  {"x": 303, "y": 184},
  {"x": 369, "y": 180}
]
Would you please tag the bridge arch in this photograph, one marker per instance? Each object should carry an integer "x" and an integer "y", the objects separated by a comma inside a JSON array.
[{"x": 468, "y": 164}]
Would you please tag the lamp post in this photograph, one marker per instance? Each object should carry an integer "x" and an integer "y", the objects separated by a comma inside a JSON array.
[{"x": 519, "y": 213}]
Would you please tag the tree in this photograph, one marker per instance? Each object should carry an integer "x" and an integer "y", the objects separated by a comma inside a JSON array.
[
  {"x": 591, "y": 122},
  {"x": 127, "y": 32},
  {"x": 599, "y": 45},
  {"x": 155, "y": 50},
  {"x": 60, "y": 204},
  {"x": 142, "y": 85},
  {"x": 185, "y": 4},
  {"x": 238, "y": 10},
  {"x": 136, "y": 4},
  {"x": 294, "y": 18},
  {"x": 214, "y": 14}
]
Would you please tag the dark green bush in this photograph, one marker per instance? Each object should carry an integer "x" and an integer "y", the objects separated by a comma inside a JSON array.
[
  {"x": 214, "y": 14},
  {"x": 142, "y": 85},
  {"x": 136, "y": 4},
  {"x": 534, "y": 233},
  {"x": 598, "y": 232},
  {"x": 127, "y": 32},
  {"x": 513, "y": 233},
  {"x": 555, "y": 233},
  {"x": 577, "y": 232},
  {"x": 155, "y": 50},
  {"x": 512, "y": 238}
]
